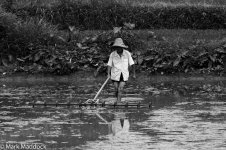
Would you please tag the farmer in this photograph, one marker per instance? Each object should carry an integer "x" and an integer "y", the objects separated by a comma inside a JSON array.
[{"x": 118, "y": 66}]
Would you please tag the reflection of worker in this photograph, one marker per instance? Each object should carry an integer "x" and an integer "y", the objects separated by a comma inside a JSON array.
[{"x": 119, "y": 125}]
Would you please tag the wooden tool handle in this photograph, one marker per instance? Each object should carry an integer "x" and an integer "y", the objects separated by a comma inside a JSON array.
[{"x": 98, "y": 93}]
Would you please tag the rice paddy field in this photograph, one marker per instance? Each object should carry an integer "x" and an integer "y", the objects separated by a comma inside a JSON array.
[{"x": 185, "y": 115}]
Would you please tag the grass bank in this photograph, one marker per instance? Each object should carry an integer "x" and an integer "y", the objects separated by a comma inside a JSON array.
[{"x": 101, "y": 14}]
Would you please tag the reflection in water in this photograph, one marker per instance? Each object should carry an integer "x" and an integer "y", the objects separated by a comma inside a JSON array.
[
  {"x": 184, "y": 116},
  {"x": 120, "y": 125}
]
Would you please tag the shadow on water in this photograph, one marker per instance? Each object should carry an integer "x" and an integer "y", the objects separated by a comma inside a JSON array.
[{"x": 184, "y": 115}]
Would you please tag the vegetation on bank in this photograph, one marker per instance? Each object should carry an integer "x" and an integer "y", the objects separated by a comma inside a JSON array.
[
  {"x": 102, "y": 15},
  {"x": 22, "y": 3},
  {"x": 35, "y": 45}
]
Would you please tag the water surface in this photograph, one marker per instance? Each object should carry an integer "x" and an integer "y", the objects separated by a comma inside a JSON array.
[{"x": 184, "y": 115}]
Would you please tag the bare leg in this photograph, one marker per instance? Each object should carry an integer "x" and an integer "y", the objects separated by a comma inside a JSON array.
[
  {"x": 120, "y": 88},
  {"x": 116, "y": 85}
]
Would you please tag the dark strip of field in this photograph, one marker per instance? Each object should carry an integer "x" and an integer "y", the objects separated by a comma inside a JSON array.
[{"x": 103, "y": 15}]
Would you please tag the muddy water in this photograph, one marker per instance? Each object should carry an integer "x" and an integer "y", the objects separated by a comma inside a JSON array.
[{"x": 184, "y": 115}]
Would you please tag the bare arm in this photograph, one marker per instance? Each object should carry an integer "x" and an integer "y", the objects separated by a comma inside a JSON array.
[
  {"x": 109, "y": 64},
  {"x": 134, "y": 71},
  {"x": 132, "y": 65},
  {"x": 109, "y": 71}
]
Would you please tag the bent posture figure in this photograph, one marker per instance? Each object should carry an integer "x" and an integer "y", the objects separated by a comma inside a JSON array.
[{"x": 118, "y": 66}]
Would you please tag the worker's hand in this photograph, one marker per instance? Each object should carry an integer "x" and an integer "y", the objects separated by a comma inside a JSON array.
[
  {"x": 134, "y": 76},
  {"x": 109, "y": 76}
]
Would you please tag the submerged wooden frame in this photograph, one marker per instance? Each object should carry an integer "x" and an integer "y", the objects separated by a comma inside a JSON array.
[{"x": 93, "y": 104}]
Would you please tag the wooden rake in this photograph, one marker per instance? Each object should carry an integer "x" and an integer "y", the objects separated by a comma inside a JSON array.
[{"x": 95, "y": 100}]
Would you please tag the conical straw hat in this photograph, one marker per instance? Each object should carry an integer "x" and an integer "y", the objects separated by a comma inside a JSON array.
[{"x": 119, "y": 43}]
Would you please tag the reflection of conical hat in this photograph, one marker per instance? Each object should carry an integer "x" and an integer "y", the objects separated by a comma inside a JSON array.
[{"x": 119, "y": 43}]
